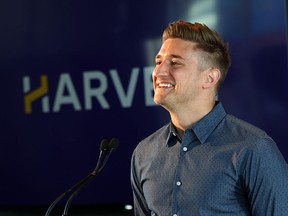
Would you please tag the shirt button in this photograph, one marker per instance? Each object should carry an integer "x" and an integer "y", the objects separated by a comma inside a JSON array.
[
  {"x": 185, "y": 149},
  {"x": 178, "y": 183}
]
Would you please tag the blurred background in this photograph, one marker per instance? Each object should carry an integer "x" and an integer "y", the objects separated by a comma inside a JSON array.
[{"x": 73, "y": 73}]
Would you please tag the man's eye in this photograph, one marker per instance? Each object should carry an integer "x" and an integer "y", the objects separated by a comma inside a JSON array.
[{"x": 157, "y": 62}]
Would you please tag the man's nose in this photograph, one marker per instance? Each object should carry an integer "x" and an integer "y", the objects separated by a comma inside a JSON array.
[{"x": 161, "y": 69}]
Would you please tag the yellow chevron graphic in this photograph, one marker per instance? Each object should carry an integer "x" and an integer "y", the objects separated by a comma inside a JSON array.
[{"x": 37, "y": 93}]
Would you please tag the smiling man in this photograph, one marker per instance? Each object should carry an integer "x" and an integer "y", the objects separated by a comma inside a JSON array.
[{"x": 204, "y": 162}]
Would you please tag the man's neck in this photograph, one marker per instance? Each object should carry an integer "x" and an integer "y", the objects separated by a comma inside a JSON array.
[{"x": 187, "y": 117}]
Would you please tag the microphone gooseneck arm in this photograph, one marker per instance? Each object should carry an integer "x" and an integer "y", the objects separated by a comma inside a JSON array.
[
  {"x": 111, "y": 146},
  {"x": 106, "y": 148}
]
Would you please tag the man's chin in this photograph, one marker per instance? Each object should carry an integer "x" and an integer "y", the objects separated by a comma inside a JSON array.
[{"x": 159, "y": 101}]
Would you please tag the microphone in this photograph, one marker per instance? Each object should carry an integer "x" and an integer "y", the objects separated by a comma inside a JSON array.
[
  {"x": 106, "y": 148},
  {"x": 111, "y": 146}
]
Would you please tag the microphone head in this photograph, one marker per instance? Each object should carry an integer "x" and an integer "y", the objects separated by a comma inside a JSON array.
[
  {"x": 113, "y": 144},
  {"x": 104, "y": 145}
]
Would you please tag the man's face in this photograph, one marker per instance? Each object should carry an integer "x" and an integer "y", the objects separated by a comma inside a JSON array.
[{"x": 177, "y": 80}]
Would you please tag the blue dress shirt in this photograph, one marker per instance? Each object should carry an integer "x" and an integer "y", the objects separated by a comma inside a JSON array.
[{"x": 223, "y": 166}]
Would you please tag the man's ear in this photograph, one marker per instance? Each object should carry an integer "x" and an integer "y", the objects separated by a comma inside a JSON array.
[{"x": 212, "y": 77}]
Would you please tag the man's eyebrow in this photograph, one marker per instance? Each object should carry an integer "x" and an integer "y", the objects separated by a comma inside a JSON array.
[{"x": 171, "y": 56}]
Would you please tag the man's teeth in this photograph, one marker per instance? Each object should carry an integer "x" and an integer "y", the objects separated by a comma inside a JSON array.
[{"x": 165, "y": 85}]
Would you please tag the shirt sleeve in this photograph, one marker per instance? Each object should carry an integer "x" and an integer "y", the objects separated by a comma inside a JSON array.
[
  {"x": 266, "y": 179},
  {"x": 139, "y": 202}
]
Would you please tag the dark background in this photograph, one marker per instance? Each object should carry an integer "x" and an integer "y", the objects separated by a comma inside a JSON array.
[{"x": 42, "y": 154}]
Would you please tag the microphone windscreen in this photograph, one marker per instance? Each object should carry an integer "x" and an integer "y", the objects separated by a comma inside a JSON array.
[
  {"x": 104, "y": 144},
  {"x": 113, "y": 144}
]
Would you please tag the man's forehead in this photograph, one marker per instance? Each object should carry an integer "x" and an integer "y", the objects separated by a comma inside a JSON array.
[{"x": 177, "y": 48}]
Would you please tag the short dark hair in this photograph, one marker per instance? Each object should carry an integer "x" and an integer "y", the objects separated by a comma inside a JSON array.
[{"x": 215, "y": 50}]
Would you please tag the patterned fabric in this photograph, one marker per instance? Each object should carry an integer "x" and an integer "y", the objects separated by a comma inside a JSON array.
[{"x": 223, "y": 166}]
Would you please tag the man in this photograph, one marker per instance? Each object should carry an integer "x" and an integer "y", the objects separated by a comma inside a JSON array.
[{"x": 205, "y": 162}]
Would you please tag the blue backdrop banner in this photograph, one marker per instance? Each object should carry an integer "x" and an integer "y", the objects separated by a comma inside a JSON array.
[{"x": 76, "y": 72}]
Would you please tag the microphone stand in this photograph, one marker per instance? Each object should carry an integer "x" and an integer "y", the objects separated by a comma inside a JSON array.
[
  {"x": 113, "y": 144},
  {"x": 106, "y": 148},
  {"x": 63, "y": 195}
]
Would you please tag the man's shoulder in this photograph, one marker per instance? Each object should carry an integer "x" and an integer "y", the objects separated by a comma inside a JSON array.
[
  {"x": 244, "y": 128},
  {"x": 158, "y": 134},
  {"x": 155, "y": 138}
]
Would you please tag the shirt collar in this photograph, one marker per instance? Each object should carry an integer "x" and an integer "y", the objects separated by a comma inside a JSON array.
[
  {"x": 202, "y": 128},
  {"x": 208, "y": 123},
  {"x": 172, "y": 137}
]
